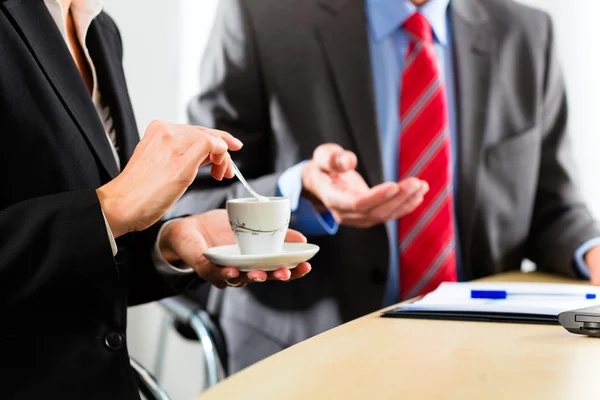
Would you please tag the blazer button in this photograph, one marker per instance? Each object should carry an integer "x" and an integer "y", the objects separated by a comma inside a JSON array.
[
  {"x": 378, "y": 276},
  {"x": 114, "y": 340}
]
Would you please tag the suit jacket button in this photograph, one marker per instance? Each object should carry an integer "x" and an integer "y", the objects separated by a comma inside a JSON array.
[
  {"x": 114, "y": 340},
  {"x": 378, "y": 276}
]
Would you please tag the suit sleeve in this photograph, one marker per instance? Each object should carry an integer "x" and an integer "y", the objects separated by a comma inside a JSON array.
[
  {"x": 232, "y": 99},
  {"x": 145, "y": 283},
  {"x": 50, "y": 245},
  {"x": 561, "y": 221}
]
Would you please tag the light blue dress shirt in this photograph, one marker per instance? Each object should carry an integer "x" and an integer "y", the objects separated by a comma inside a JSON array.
[{"x": 388, "y": 44}]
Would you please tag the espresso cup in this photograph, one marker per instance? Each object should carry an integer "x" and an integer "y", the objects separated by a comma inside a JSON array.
[{"x": 259, "y": 226}]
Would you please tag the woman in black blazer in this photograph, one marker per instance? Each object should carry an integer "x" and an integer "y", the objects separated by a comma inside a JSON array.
[{"x": 80, "y": 202}]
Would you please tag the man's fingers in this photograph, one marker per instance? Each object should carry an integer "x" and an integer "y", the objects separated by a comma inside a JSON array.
[
  {"x": 342, "y": 200},
  {"x": 411, "y": 185},
  {"x": 404, "y": 203},
  {"x": 381, "y": 194},
  {"x": 345, "y": 161},
  {"x": 359, "y": 220},
  {"x": 409, "y": 205},
  {"x": 351, "y": 201},
  {"x": 406, "y": 207},
  {"x": 364, "y": 202},
  {"x": 376, "y": 196},
  {"x": 324, "y": 155},
  {"x": 333, "y": 158},
  {"x": 380, "y": 204}
]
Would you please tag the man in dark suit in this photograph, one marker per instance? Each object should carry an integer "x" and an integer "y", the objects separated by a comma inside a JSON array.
[
  {"x": 80, "y": 202},
  {"x": 441, "y": 151}
]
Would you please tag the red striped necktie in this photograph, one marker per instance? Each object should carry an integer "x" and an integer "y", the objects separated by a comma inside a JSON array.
[{"x": 426, "y": 236}]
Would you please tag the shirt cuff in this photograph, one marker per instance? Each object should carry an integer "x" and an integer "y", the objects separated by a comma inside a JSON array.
[
  {"x": 305, "y": 218},
  {"x": 580, "y": 253},
  {"x": 161, "y": 265},
  {"x": 289, "y": 184},
  {"x": 111, "y": 237}
]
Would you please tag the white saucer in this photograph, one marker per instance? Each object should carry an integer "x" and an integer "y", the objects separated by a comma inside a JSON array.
[{"x": 291, "y": 255}]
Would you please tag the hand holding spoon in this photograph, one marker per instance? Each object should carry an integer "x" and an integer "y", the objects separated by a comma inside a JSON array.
[{"x": 239, "y": 175}]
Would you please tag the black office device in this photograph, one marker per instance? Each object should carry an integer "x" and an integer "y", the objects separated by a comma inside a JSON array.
[{"x": 583, "y": 321}]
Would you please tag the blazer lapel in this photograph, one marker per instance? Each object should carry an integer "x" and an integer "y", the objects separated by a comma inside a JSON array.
[
  {"x": 473, "y": 45},
  {"x": 105, "y": 50},
  {"x": 343, "y": 36},
  {"x": 48, "y": 47}
]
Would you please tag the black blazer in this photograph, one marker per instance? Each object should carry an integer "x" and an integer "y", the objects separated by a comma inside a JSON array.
[{"x": 63, "y": 297}]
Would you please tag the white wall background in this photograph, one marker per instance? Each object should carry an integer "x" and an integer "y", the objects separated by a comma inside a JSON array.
[
  {"x": 577, "y": 32},
  {"x": 163, "y": 43}
]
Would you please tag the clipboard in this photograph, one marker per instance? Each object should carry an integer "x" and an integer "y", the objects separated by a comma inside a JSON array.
[
  {"x": 521, "y": 318},
  {"x": 452, "y": 301}
]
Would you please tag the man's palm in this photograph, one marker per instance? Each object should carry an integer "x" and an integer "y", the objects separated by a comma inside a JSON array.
[
  {"x": 331, "y": 182},
  {"x": 348, "y": 183}
]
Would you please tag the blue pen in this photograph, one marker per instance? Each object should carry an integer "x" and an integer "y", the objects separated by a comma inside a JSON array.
[{"x": 503, "y": 294}]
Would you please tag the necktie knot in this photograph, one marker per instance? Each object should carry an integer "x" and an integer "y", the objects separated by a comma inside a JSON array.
[{"x": 418, "y": 27}]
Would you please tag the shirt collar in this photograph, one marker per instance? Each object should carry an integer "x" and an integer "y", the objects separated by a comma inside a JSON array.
[
  {"x": 85, "y": 6},
  {"x": 387, "y": 16},
  {"x": 84, "y": 12}
]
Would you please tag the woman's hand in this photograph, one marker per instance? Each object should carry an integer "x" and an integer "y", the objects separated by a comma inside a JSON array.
[
  {"x": 164, "y": 164},
  {"x": 185, "y": 240}
]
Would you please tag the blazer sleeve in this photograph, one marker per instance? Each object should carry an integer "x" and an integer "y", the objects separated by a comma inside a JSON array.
[
  {"x": 232, "y": 99},
  {"x": 145, "y": 283},
  {"x": 52, "y": 244},
  {"x": 561, "y": 221}
]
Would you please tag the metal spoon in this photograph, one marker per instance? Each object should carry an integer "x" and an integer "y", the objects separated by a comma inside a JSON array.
[{"x": 239, "y": 175}]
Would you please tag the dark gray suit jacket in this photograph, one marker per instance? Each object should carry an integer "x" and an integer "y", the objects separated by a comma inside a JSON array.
[{"x": 287, "y": 76}]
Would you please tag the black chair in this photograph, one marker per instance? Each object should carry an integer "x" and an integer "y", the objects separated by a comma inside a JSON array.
[
  {"x": 191, "y": 321},
  {"x": 147, "y": 384}
]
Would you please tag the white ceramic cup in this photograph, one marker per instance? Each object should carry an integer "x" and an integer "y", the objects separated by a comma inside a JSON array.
[{"x": 259, "y": 226}]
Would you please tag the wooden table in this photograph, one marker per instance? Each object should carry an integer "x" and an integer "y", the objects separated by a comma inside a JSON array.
[{"x": 379, "y": 358}]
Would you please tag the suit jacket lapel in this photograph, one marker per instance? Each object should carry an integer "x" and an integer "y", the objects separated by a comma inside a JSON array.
[
  {"x": 473, "y": 45},
  {"x": 343, "y": 35},
  {"x": 106, "y": 52},
  {"x": 48, "y": 47}
]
